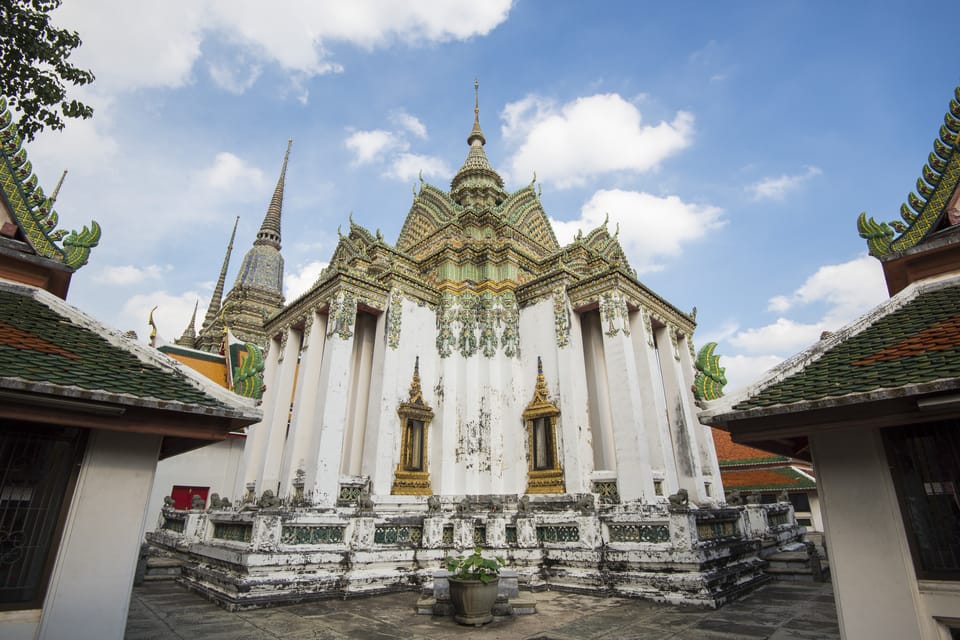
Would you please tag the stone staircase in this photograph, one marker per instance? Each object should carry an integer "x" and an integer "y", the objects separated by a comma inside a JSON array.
[
  {"x": 155, "y": 565},
  {"x": 801, "y": 562}
]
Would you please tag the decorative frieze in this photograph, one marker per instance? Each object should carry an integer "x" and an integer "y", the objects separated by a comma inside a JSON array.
[
  {"x": 310, "y": 534},
  {"x": 349, "y": 494},
  {"x": 409, "y": 535},
  {"x": 558, "y": 533},
  {"x": 394, "y": 318},
  {"x": 561, "y": 318},
  {"x": 176, "y": 525},
  {"x": 614, "y": 313},
  {"x": 607, "y": 490},
  {"x": 510, "y": 535},
  {"x": 233, "y": 531},
  {"x": 639, "y": 533},
  {"x": 479, "y": 535},
  {"x": 446, "y": 536},
  {"x": 714, "y": 529},
  {"x": 478, "y": 324}
]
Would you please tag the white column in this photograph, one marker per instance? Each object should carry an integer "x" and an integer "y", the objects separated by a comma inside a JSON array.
[
  {"x": 634, "y": 476},
  {"x": 683, "y": 421},
  {"x": 710, "y": 467},
  {"x": 574, "y": 422},
  {"x": 655, "y": 422},
  {"x": 363, "y": 345},
  {"x": 255, "y": 445},
  {"x": 269, "y": 477},
  {"x": 304, "y": 403},
  {"x": 326, "y": 443}
]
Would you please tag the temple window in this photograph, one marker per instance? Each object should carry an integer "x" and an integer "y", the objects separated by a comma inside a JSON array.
[
  {"x": 544, "y": 473},
  {"x": 412, "y": 476}
]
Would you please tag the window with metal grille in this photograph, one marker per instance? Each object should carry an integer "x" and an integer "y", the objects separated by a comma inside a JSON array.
[
  {"x": 38, "y": 469},
  {"x": 925, "y": 463}
]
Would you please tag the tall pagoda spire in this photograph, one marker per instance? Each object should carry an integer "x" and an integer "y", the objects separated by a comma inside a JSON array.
[
  {"x": 217, "y": 297},
  {"x": 269, "y": 233},
  {"x": 56, "y": 189},
  {"x": 476, "y": 183}
]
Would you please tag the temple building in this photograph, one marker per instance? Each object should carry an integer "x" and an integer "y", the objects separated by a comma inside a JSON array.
[
  {"x": 876, "y": 407},
  {"x": 475, "y": 383}
]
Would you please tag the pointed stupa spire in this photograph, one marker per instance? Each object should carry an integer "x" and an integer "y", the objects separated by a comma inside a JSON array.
[
  {"x": 476, "y": 183},
  {"x": 217, "y": 297},
  {"x": 269, "y": 233},
  {"x": 189, "y": 337}
]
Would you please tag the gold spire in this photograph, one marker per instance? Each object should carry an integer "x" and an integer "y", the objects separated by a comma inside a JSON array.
[
  {"x": 217, "y": 298},
  {"x": 476, "y": 132},
  {"x": 476, "y": 183}
]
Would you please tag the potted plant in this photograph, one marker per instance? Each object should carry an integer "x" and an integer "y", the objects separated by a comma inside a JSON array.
[{"x": 473, "y": 586}]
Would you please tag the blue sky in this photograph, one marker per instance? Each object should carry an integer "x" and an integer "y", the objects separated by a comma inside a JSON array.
[{"x": 734, "y": 143}]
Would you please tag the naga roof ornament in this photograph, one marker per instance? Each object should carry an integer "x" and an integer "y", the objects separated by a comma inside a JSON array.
[
  {"x": 925, "y": 209},
  {"x": 31, "y": 210},
  {"x": 710, "y": 377}
]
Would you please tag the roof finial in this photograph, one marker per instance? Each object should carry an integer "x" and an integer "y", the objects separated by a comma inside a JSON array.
[
  {"x": 56, "y": 190},
  {"x": 189, "y": 336},
  {"x": 476, "y": 133}
]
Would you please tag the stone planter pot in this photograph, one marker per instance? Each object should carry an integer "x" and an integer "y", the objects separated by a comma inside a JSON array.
[{"x": 473, "y": 600}]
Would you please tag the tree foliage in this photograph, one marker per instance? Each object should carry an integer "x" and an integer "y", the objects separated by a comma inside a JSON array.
[{"x": 34, "y": 67}]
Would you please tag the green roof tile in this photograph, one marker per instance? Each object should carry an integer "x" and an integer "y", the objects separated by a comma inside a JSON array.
[
  {"x": 918, "y": 342},
  {"x": 39, "y": 344}
]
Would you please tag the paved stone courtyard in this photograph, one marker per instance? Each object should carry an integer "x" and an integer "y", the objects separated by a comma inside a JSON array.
[{"x": 778, "y": 610}]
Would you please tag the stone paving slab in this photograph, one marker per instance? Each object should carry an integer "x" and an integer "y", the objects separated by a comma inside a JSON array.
[{"x": 776, "y": 611}]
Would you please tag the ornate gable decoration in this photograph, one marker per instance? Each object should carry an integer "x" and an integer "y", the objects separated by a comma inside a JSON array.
[
  {"x": 925, "y": 209},
  {"x": 31, "y": 209}
]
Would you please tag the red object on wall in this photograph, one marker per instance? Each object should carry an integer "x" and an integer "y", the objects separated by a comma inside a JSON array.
[{"x": 183, "y": 496}]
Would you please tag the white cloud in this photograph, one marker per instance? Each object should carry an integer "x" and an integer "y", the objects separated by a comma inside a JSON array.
[
  {"x": 134, "y": 45},
  {"x": 589, "y": 136},
  {"x": 407, "y": 166},
  {"x": 84, "y": 147},
  {"x": 849, "y": 289},
  {"x": 296, "y": 284},
  {"x": 171, "y": 317},
  {"x": 231, "y": 78},
  {"x": 742, "y": 370},
  {"x": 409, "y": 123},
  {"x": 130, "y": 274},
  {"x": 842, "y": 292},
  {"x": 228, "y": 172},
  {"x": 370, "y": 146},
  {"x": 783, "y": 336},
  {"x": 779, "y": 188},
  {"x": 651, "y": 227}
]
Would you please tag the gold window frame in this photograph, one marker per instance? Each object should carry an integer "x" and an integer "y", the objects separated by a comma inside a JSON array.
[
  {"x": 548, "y": 480},
  {"x": 407, "y": 481}
]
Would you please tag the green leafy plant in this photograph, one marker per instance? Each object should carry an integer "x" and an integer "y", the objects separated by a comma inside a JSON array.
[{"x": 474, "y": 567}]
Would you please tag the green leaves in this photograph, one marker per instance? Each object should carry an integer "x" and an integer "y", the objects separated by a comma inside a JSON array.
[
  {"x": 474, "y": 567},
  {"x": 34, "y": 67}
]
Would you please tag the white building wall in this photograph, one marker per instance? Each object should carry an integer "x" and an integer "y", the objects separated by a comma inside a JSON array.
[
  {"x": 873, "y": 578},
  {"x": 216, "y": 466},
  {"x": 89, "y": 591}
]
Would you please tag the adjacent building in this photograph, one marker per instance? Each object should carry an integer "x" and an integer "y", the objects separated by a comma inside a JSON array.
[{"x": 876, "y": 406}]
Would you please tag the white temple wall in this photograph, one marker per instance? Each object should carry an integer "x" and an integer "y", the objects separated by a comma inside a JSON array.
[
  {"x": 304, "y": 402},
  {"x": 364, "y": 335},
  {"x": 257, "y": 434},
  {"x": 598, "y": 398},
  {"x": 443, "y": 430},
  {"x": 653, "y": 403},
  {"x": 390, "y": 385},
  {"x": 87, "y": 598}
]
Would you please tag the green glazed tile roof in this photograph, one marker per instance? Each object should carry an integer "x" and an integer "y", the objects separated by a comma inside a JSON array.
[
  {"x": 45, "y": 341},
  {"x": 916, "y": 343},
  {"x": 766, "y": 479}
]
